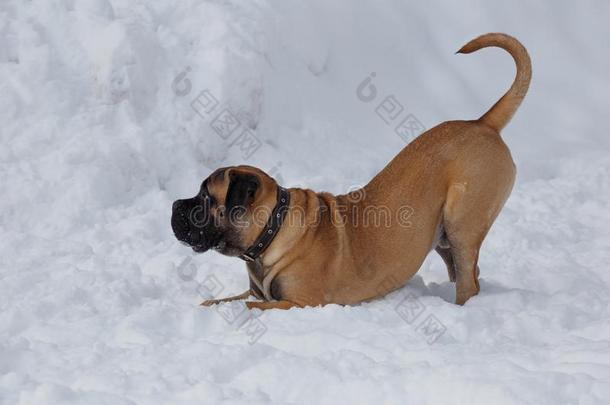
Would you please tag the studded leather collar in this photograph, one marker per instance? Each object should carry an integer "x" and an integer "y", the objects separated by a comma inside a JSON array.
[{"x": 271, "y": 229}]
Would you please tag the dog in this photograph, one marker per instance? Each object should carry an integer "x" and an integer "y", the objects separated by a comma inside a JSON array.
[{"x": 442, "y": 192}]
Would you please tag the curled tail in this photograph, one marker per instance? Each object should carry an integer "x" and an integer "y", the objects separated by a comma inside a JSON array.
[{"x": 500, "y": 114}]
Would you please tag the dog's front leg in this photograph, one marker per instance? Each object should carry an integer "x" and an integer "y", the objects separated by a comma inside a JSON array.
[
  {"x": 263, "y": 305},
  {"x": 241, "y": 296}
]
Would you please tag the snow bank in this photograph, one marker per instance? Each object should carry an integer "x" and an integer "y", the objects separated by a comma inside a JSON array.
[{"x": 104, "y": 122}]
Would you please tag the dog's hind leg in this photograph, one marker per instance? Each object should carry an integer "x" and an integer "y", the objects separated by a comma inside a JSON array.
[
  {"x": 467, "y": 278},
  {"x": 466, "y": 222},
  {"x": 443, "y": 248},
  {"x": 446, "y": 255}
]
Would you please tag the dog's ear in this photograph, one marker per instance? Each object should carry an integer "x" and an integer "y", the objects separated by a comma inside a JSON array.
[{"x": 241, "y": 192}]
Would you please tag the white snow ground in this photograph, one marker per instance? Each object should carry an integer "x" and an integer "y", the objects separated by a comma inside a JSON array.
[{"x": 95, "y": 307}]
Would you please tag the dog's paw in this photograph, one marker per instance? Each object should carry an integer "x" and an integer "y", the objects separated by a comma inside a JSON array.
[{"x": 209, "y": 303}]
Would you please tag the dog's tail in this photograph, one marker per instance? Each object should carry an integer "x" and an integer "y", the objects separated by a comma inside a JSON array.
[{"x": 500, "y": 114}]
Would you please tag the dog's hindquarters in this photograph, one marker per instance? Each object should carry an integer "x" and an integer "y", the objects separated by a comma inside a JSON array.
[{"x": 480, "y": 181}]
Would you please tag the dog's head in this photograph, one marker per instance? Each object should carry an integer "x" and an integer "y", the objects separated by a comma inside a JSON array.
[{"x": 229, "y": 211}]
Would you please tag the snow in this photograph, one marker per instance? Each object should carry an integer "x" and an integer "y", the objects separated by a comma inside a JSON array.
[{"x": 98, "y": 302}]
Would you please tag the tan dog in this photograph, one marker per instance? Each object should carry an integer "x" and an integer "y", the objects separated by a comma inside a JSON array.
[{"x": 443, "y": 191}]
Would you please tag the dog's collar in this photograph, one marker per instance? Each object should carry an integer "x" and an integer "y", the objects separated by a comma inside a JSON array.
[{"x": 271, "y": 229}]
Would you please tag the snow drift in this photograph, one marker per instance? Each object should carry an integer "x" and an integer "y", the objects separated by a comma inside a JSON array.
[{"x": 103, "y": 123}]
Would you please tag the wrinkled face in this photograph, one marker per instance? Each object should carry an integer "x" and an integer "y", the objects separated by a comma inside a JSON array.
[{"x": 228, "y": 213}]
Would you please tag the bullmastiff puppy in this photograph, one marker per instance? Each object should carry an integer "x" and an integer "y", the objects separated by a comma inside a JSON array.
[{"x": 442, "y": 192}]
